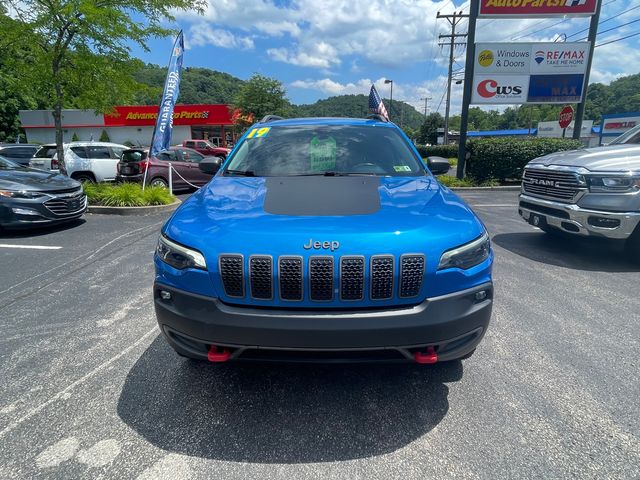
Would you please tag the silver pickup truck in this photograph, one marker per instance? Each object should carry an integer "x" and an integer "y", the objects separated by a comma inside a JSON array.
[{"x": 589, "y": 192}]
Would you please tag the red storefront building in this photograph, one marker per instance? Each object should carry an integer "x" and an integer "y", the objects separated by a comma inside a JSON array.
[{"x": 132, "y": 124}]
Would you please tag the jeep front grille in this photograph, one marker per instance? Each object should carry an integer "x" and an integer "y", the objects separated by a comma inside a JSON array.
[
  {"x": 381, "y": 277},
  {"x": 352, "y": 278},
  {"x": 556, "y": 184},
  {"x": 322, "y": 278},
  {"x": 411, "y": 273},
  {"x": 232, "y": 274},
  {"x": 261, "y": 277},
  {"x": 290, "y": 278}
]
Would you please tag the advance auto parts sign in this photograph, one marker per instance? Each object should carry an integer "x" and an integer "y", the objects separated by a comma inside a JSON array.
[
  {"x": 500, "y": 89},
  {"x": 537, "y": 8}
]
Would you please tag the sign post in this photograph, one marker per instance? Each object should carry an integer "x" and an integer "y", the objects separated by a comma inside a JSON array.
[
  {"x": 566, "y": 117},
  {"x": 593, "y": 33}
]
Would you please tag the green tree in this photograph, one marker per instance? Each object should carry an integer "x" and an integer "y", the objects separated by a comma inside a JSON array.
[
  {"x": 260, "y": 96},
  {"x": 429, "y": 130},
  {"x": 80, "y": 49}
]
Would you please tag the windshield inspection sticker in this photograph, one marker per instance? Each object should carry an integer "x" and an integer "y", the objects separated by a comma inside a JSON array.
[
  {"x": 259, "y": 132},
  {"x": 402, "y": 168},
  {"x": 322, "y": 154}
]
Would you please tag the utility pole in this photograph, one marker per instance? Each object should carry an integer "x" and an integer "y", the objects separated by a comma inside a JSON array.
[
  {"x": 453, "y": 18},
  {"x": 593, "y": 33},
  {"x": 474, "y": 6},
  {"x": 426, "y": 99}
]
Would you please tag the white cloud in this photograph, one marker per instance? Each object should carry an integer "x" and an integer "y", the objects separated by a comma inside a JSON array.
[
  {"x": 202, "y": 34},
  {"x": 321, "y": 55}
]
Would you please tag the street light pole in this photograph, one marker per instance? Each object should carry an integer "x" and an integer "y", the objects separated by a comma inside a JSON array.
[{"x": 387, "y": 81}]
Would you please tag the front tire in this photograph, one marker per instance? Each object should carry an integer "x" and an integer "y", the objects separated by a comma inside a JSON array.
[
  {"x": 84, "y": 178},
  {"x": 159, "y": 182}
]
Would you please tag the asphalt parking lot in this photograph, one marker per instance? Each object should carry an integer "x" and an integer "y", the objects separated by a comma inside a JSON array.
[{"x": 90, "y": 390}]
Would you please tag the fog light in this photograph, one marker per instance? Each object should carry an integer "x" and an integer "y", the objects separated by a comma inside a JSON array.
[
  {"x": 24, "y": 211},
  {"x": 164, "y": 295},
  {"x": 481, "y": 295}
]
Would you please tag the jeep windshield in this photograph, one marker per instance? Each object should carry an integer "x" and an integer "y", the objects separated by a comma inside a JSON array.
[{"x": 331, "y": 150}]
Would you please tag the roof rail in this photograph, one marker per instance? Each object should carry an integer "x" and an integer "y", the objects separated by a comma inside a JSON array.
[
  {"x": 271, "y": 118},
  {"x": 377, "y": 116}
]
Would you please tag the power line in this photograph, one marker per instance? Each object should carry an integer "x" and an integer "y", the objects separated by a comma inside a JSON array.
[
  {"x": 604, "y": 21},
  {"x": 618, "y": 39},
  {"x": 613, "y": 28},
  {"x": 550, "y": 26}
]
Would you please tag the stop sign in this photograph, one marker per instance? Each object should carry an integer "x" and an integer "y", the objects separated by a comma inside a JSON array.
[{"x": 566, "y": 116}]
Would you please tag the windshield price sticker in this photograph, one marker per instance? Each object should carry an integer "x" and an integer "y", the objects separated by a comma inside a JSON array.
[
  {"x": 402, "y": 168},
  {"x": 259, "y": 132},
  {"x": 322, "y": 154}
]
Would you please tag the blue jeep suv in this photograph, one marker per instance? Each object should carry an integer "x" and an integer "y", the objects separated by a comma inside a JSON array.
[{"x": 324, "y": 239}]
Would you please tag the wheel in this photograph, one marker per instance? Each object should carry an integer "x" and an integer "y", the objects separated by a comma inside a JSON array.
[
  {"x": 159, "y": 182},
  {"x": 84, "y": 178}
]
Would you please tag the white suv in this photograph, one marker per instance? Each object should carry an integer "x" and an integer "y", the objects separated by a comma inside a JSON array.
[{"x": 83, "y": 161}]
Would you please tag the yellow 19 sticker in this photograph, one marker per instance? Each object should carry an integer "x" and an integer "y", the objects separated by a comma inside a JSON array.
[{"x": 259, "y": 132}]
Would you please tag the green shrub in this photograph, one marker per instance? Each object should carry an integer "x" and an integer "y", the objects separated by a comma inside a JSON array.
[
  {"x": 505, "y": 158},
  {"x": 104, "y": 136},
  {"x": 445, "y": 151},
  {"x": 450, "y": 181},
  {"x": 157, "y": 196},
  {"x": 75, "y": 137},
  {"x": 126, "y": 195}
]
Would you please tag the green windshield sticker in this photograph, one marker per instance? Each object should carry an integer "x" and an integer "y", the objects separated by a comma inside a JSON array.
[
  {"x": 322, "y": 154},
  {"x": 258, "y": 132},
  {"x": 402, "y": 168}
]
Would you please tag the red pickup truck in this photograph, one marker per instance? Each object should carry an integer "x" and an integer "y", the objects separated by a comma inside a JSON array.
[{"x": 206, "y": 148}]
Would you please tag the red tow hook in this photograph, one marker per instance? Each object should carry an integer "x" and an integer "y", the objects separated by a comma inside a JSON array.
[
  {"x": 215, "y": 355},
  {"x": 430, "y": 357}
]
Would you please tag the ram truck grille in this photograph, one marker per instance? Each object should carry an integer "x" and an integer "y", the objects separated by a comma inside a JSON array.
[
  {"x": 322, "y": 278},
  {"x": 553, "y": 184}
]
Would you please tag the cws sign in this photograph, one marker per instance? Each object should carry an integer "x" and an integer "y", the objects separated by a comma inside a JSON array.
[
  {"x": 536, "y": 8},
  {"x": 500, "y": 89}
]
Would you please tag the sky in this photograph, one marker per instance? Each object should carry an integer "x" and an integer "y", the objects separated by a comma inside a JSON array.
[{"x": 319, "y": 49}]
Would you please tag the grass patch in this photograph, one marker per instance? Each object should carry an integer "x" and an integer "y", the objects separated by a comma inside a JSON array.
[
  {"x": 126, "y": 195},
  {"x": 450, "y": 181}
]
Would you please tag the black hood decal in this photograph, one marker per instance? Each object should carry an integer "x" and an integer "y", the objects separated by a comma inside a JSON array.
[{"x": 322, "y": 196}]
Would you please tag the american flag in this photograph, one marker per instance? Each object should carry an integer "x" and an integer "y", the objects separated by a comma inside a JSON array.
[{"x": 375, "y": 103}]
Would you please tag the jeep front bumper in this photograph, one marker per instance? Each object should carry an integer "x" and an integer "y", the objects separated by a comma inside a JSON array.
[
  {"x": 452, "y": 324},
  {"x": 573, "y": 219}
]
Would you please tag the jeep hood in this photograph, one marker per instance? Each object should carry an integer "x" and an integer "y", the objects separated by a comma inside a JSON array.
[
  {"x": 613, "y": 158},
  {"x": 366, "y": 214}
]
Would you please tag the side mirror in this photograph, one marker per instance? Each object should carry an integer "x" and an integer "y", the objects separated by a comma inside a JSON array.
[
  {"x": 210, "y": 165},
  {"x": 438, "y": 165}
]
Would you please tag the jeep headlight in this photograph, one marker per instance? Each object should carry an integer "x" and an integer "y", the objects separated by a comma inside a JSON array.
[
  {"x": 178, "y": 256},
  {"x": 613, "y": 183},
  {"x": 467, "y": 255}
]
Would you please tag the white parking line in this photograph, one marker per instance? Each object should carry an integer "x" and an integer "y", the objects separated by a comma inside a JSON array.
[{"x": 29, "y": 247}]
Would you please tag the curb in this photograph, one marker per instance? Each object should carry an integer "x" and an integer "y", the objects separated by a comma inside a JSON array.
[
  {"x": 133, "y": 211},
  {"x": 508, "y": 188}
]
